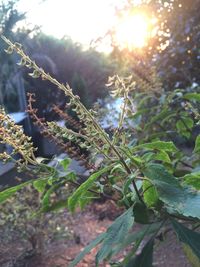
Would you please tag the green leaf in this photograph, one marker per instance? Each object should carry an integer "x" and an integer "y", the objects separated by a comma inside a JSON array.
[
  {"x": 151, "y": 197},
  {"x": 135, "y": 236},
  {"x": 184, "y": 125},
  {"x": 145, "y": 258},
  {"x": 180, "y": 126},
  {"x": 46, "y": 199},
  {"x": 187, "y": 236},
  {"x": 159, "y": 145},
  {"x": 87, "y": 249},
  {"x": 177, "y": 199},
  {"x": 188, "y": 122},
  {"x": 86, "y": 199},
  {"x": 5, "y": 194},
  {"x": 55, "y": 206},
  {"x": 197, "y": 144},
  {"x": 115, "y": 234},
  {"x": 158, "y": 117},
  {"x": 141, "y": 103},
  {"x": 40, "y": 185},
  {"x": 192, "y": 96},
  {"x": 168, "y": 118},
  {"x": 65, "y": 163},
  {"x": 157, "y": 173},
  {"x": 141, "y": 213},
  {"x": 73, "y": 200},
  {"x": 193, "y": 179},
  {"x": 148, "y": 156},
  {"x": 117, "y": 167},
  {"x": 162, "y": 156}
]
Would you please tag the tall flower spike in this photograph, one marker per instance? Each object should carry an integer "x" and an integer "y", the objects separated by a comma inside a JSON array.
[
  {"x": 13, "y": 135},
  {"x": 71, "y": 121},
  {"x": 53, "y": 132},
  {"x": 84, "y": 115},
  {"x": 92, "y": 126}
]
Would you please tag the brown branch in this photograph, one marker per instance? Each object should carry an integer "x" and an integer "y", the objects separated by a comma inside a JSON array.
[
  {"x": 75, "y": 124},
  {"x": 68, "y": 146}
]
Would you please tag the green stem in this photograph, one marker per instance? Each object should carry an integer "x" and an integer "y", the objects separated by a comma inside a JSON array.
[{"x": 68, "y": 91}]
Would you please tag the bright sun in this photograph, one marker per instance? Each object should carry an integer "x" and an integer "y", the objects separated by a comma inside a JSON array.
[{"x": 133, "y": 31}]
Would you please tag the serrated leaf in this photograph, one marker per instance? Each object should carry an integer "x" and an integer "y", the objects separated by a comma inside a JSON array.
[
  {"x": 187, "y": 236},
  {"x": 157, "y": 172},
  {"x": 73, "y": 200},
  {"x": 115, "y": 234},
  {"x": 145, "y": 258},
  {"x": 87, "y": 249},
  {"x": 197, "y": 144},
  {"x": 177, "y": 199},
  {"x": 159, "y": 145},
  {"x": 135, "y": 236}
]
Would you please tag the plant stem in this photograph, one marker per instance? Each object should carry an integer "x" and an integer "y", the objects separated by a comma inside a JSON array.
[{"x": 68, "y": 91}]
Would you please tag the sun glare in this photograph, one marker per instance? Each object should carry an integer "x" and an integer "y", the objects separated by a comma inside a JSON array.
[
  {"x": 133, "y": 31},
  {"x": 85, "y": 24}
]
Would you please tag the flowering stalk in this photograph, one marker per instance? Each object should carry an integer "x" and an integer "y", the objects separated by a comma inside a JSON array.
[
  {"x": 94, "y": 131},
  {"x": 13, "y": 135}
]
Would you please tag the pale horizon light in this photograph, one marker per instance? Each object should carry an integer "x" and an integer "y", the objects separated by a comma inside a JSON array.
[{"x": 83, "y": 21}]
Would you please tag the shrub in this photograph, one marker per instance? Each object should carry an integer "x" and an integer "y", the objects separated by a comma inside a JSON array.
[{"x": 151, "y": 176}]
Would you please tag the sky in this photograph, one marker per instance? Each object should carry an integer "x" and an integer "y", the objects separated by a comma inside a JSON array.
[{"x": 82, "y": 20}]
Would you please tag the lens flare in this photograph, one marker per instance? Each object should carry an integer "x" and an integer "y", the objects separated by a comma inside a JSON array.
[{"x": 133, "y": 31}]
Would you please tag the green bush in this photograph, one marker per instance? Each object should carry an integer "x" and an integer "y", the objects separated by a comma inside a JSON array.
[{"x": 144, "y": 167}]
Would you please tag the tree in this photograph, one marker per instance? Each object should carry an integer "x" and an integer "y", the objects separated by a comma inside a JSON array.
[
  {"x": 86, "y": 71},
  {"x": 8, "y": 91},
  {"x": 173, "y": 50},
  {"x": 178, "y": 64}
]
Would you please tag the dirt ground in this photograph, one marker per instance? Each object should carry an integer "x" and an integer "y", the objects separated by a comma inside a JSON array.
[{"x": 83, "y": 227}]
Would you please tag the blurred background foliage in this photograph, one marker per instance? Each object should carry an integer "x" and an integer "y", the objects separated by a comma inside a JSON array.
[
  {"x": 9, "y": 16},
  {"x": 85, "y": 70},
  {"x": 170, "y": 61},
  {"x": 174, "y": 50}
]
